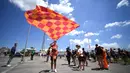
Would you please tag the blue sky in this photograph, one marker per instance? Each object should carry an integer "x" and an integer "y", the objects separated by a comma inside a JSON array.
[{"x": 105, "y": 22}]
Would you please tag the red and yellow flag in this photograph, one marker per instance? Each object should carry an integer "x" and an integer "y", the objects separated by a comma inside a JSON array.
[{"x": 52, "y": 23}]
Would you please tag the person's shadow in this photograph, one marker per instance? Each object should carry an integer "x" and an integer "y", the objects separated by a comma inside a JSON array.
[
  {"x": 4, "y": 66},
  {"x": 75, "y": 68},
  {"x": 44, "y": 71},
  {"x": 64, "y": 64},
  {"x": 96, "y": 69}
]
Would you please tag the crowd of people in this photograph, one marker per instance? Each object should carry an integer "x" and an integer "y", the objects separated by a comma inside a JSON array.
[
  {"x": 80, "y": 54},
  {"x": 114, "y": 55},
  {"x": 100, "y": 54},
  {"x": 83, "y": 57},
  {"x": 103, "y": 56}
]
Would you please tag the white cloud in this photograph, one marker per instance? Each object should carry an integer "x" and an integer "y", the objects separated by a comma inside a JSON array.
[
  {"x": 105, "y": 45},
  {"x": 123, "y": 3},
  {"x": 91, "y": 34},
  {"x": 124, "y": 23},
  {"x": 86, "y": 40},
  {"x": 117, "y": 36},
  {"x": 70, "y": 15},
  {"x": 75, "y": 41},
  {"x": 80, "y": 42},
  {"x": 73, "y": 19},
  {"x": 92, "y": 47},
  {"x": 42, "y": 3},
  {"x": 48, "y": 39},
  {"x": 64, "y": 6},
  {"x": 97, "y": 40},
  {"x": 75, "y": 32},
  {"x": 25, "y": 4},
  {"x": 110, "y": 45},
  {"x": 61, "y": 50}
]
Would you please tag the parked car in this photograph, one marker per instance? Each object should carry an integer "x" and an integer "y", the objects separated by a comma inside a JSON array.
[{"x": 18, "y": 54}]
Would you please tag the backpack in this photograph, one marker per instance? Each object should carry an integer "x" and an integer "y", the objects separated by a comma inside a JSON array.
[{"x": 33, "y": 52}]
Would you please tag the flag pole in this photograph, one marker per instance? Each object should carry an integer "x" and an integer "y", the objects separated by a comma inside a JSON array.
[
  {"x": 26, "y": 43},
  {"x": 44, "y": 35},
  {"x": 43, "y": 42},
  {"x": 88, "y": 44}
]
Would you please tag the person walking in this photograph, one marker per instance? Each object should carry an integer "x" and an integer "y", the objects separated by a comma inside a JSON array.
[
  {"x": 74, "y": 57},
  {"x": 32, "y": 54},
  {"x": 113, "y": 55},
  {"x": 104, "y": 59},
  {"x": 85, "y": 56},
  {"x": 68, "y": 55},
  {"x": 81, "y": 57},
  {"x": 48, "y": 53},
  {"x": 125, "y": 57},
  {"x": 108, "y": 56},
  {"x": 99, "y": 53},
  {"x": 93, "y": 55},
  {"x": 53, "y": 54},
  {"x": 12, "y": 53}
]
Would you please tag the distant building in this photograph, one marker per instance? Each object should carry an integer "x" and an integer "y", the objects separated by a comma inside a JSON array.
[{"x": 4, "y": 49}]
